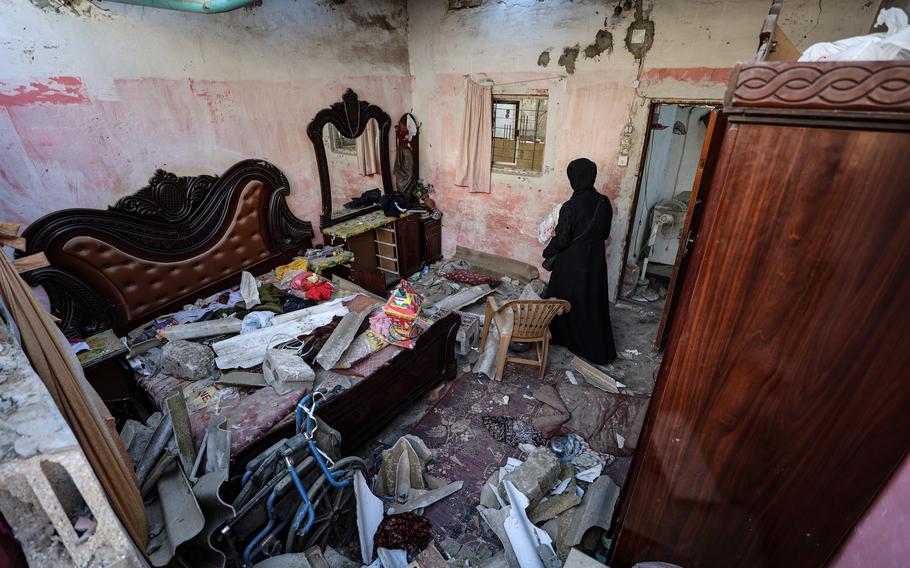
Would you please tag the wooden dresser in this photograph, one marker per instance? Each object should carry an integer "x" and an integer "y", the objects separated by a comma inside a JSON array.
[
  {"x": 395, "y": 248},
  {"x": 781, "y": 408}
]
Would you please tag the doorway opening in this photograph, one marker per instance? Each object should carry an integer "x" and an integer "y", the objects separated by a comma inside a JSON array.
[{"x": 669, "y": 170}]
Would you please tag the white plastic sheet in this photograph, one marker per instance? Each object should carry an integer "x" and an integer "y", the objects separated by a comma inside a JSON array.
[{"x": 891, "y": 45}]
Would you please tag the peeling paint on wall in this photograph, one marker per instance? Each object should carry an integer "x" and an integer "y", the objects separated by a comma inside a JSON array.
[
  {"x": 568, "y": 57},
  {"x": 56, "y": 90}
]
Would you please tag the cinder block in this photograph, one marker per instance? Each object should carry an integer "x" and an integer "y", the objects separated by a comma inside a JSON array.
[{"x": 468, "y": 332}]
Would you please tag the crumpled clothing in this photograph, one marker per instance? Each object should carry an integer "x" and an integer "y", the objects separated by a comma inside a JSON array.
[
  {"x": 575, "y": 450},
  {"x": 312, "y": 286},
  {"x": 293, "y": 303},
  {"x": 470, "y": 277},
  {"x": 297, "y": 264},
  {"x": 512, "y": 431},
  {"x": 256, "y": 320}
]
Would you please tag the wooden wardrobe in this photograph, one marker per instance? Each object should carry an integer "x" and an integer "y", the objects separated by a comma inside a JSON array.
[{"x": 783, "y": 404}]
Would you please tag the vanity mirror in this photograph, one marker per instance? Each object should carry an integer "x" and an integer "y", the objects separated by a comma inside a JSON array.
[{"x": 351, "y": 141}]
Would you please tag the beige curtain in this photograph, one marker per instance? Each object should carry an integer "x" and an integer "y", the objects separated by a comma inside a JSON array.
[
  {"x": 367, "y": 149},
  {"x": 52, "y": 358},
  {"x": 475, "y": 153}
]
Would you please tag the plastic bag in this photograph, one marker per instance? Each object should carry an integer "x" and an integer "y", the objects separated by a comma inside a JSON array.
[
  {"x": 891, "y": 45},
  {"x": 547, "y": 227}
]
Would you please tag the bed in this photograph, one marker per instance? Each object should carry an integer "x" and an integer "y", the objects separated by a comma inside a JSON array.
[{"x": 183, "y": 238}]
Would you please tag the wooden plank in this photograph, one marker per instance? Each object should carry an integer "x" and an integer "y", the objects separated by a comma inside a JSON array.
[
  {"x": 31, "y": 262},
  {"x": 17, "y": 243},
  {"x": 8, "y": 229},
  {"x": 594, "y": 376},
  {"x": 497, "y": 265}
]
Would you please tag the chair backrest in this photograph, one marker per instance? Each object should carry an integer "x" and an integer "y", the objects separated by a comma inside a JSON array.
[{"x": 533, "y": 317}]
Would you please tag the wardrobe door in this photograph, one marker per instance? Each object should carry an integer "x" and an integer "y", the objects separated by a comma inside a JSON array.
[{"x": 782, "y": 405}]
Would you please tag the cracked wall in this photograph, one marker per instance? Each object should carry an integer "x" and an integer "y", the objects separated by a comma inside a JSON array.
[
  {"x": 577, "y": 51},
  {"x": 93, "y": 100}
]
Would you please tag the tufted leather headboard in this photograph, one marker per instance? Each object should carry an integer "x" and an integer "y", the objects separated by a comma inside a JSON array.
[{"x": 170, "y": 243}]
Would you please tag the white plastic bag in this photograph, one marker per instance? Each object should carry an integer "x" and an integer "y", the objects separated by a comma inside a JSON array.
[
  {"x": 547, "y": 227},
  {"x": 891, "y": 45}
]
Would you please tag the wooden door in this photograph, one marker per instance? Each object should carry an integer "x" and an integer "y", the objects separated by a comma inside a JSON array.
[
  {"x": 706, "y": 165},
  {"x": 782, "y": 405}
]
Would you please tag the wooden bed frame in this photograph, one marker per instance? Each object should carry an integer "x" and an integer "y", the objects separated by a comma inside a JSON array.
[{"x": 182, "y": 238}]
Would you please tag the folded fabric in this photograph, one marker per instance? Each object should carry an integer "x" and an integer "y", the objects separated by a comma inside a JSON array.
[
  {"x": 298, "y": 264},
  {"x": 470, "y": 277}
]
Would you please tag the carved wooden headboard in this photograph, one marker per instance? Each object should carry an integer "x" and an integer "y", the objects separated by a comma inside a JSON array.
[{"x": 171, "y": 242}]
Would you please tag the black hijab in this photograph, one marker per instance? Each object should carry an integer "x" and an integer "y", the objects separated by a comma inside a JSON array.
[{"x": 582, "y": 173}]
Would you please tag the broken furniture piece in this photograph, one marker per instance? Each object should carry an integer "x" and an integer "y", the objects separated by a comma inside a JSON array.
[{"x": 525, "y": 321}]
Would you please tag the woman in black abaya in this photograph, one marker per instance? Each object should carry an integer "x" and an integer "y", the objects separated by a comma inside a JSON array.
[{"x": 579, "y": 271}]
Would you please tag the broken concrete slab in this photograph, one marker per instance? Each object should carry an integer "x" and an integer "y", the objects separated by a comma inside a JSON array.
[
  {"x": 341, "y": 338},
  {"x": 285, "y": 371},
  {"x": 418, "y": 499},
  {"x": 183, "y": 431},
  {"x": 578, "y": 559},
  {"x": 187, "y": 360},
  {"x": 418, "y": 455},
  {"x": 248, "y": 349},
  {"x": 199, "y": 329},
  {"x": 242, "y": 379},
  {"x": 430, "y": 557},
  {"x": 337, "y": 560},
  {"x": 535, "y": 477},
  {"x": 497, "y": 265},
  {"x": 464, "y": 297},
  {"x": 289, "y": 560},
  {"x": 596, "y": 510},
  {"x": 552, "y": 505}
]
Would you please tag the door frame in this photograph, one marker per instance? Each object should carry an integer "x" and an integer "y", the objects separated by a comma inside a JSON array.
[{"x": 652, "y": 106}]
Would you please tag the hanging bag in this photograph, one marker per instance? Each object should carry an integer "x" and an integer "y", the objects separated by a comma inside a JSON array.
[{"x": 549, "y": 263}]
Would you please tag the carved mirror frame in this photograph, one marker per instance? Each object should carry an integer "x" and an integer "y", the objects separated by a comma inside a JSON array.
[{"x": 350, "y": 117}]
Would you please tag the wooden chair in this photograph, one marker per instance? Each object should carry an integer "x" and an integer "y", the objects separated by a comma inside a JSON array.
[{"x": 526, "y": 321}]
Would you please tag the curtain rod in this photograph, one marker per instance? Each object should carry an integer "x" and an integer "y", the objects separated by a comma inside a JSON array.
[{"x": 495, "y": 84}]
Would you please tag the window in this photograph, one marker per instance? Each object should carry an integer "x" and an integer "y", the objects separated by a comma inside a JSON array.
[
  {"x": 338, "y": 143},
  {"x": 519, "y": 132}
]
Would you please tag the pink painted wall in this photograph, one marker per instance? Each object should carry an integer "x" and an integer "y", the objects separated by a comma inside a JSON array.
[
  {"x": 92, "y": 105},
  {"x": 882, "y": 538},
  {"x": 65, "y": 147}
]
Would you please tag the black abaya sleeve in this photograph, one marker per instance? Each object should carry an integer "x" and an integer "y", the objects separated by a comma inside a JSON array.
[{"x": 562, "y": 238}]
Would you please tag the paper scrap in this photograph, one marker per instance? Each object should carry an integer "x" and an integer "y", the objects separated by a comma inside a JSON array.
[
  {"x": 590, "y": 474},
  {"x": 369, "y": 515},
  {"x": 560, "y": 486},
  {"x": 396, "y": 558},
  {"x": 249, "y": 289},
  {"x": 620, "y": 440},
  {"x": 571, "y": 377}
]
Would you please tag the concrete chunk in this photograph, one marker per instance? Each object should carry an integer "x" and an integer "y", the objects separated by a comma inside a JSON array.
[
  {"x": 183, "y": 359},
  {"x": 535, "y": 476}
]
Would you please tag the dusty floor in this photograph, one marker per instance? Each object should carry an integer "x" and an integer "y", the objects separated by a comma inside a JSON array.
[{"x": 634, "y": 328}]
